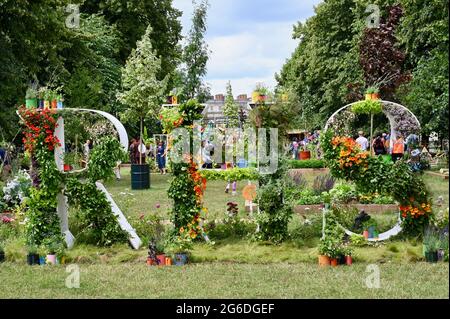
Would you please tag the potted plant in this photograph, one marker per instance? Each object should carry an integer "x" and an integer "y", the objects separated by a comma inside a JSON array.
[
  {"x": 47, "y": 98},
  {"x": 54, "y": 248},
  {"x": 341, "y": 254},
  {"x": 152, "y": 252},
  {"x": 431, "y": 245},
  {"x": 160, "y": 255},
  {"x": 60, "y": 103},
  {"x": 372, "y": 93},
  {"x": 179, "y": 247},
  {"x": 32, "y": 256},
  {"x": 305, "y": 154},
  {"x": 54, "y": 100},
  {"x": 324, "y": 260},
  {"x": 31, "y": 98},
  {"x": 2, "y": 252},
  {"x": 348, "y": 252},
  {"x": 260, "y": 93}
]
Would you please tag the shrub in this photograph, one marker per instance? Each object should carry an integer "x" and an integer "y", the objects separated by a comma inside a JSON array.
[
  {"x": 308, "y": 197},
  {"x": 233, "y": 228},
  {"x": 147, "y": 227},
  {"x": 309, "y": 228},
  {"x": 323, "y": 183},
  {"x": 312, "y": 163},
  {"x": 345, "y": 216}
]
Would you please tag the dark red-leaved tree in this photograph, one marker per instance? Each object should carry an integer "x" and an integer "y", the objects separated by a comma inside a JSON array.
[{"x": 381, "y": 60}]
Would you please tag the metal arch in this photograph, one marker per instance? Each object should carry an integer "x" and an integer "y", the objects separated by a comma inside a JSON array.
[
  {"x": 382, "y": 101},
  {"x": 123, "y": 136}
]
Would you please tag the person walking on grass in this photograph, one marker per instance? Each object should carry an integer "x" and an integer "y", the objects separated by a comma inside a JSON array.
[{"x": 161, "y": 155}]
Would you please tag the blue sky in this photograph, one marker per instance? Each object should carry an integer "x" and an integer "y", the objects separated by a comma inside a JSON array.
[{"x": 249, "y": 40}]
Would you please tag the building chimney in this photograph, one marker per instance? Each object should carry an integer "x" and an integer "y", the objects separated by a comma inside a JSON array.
[{"x": 220, "y": 98}]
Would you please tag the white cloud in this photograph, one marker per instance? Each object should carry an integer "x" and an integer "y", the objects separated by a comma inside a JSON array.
[{"x": 247, "y": 48}]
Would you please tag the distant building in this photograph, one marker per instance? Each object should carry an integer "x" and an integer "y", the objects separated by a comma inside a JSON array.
[{"x": 213, "y": 112}]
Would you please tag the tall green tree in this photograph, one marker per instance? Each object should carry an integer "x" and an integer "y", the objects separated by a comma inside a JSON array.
[
  {"x": 427, "y": 95},
  {"x": 142, "y": 91},
  {"x": 196, "y": 54},
  {"x": 131, "y": 19},
  {"x": 231, "y": 108},
  {"x": 324, "y": 61}
]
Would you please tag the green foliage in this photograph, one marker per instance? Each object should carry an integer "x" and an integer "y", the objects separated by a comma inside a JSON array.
[
  {"x": 367, "y": 107},
  {"x": 234, "y": 174},
  {"x": 309, "y": 197},
  {"x": 104, "y": 156},
  {"x": 191, "y": 111},
  {"x": 94, "y": 214},
  {"x": 274, "y": 216},
  {"x": 147, "y": 227},
  {"x": 182, "y": 192},
  {"x": 427, "y": 95},
  {"x": 195, "y": 53},
  {"x": 231, "y": 109},
  {"x": 311, "y": 163},
  {"x": 231, "y": 228},
  {"x": 142, "y": 90}
]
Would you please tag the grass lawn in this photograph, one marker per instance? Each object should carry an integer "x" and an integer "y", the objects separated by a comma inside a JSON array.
[
  {"x": 226, "y": 281},
  {"x": 231, "y": 268}
]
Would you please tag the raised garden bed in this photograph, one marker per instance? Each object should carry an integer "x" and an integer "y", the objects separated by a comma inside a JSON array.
[{"x": 368, "y": 208}]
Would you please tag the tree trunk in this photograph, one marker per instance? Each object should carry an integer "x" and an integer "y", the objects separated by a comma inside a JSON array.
[
  {"x": 140, "y": 141},
  {"x": 371, "y": 133}
]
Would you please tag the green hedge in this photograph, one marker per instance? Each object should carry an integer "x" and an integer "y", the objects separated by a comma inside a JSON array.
[
  {"x": 312, "y": 163},
  {"x": 235, "y": 174}
]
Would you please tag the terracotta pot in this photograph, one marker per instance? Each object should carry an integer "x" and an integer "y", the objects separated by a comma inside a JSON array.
[
  {"x": 366, "y": 234},
  {"x": 54, "y": 104},
  {"x": 150, "y": 262},
  {"x": 161, "y": 259},
  {"x": 375, "y": 96},
  {"x": 348, "y": 260},
  {"x": 168, "y": 261},
  {"x": 324, "y": 260},
  {"x": 333, "y": 262},
  {"x": 305, "y": 155}
]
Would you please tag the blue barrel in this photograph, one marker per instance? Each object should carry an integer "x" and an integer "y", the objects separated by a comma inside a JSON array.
[{"x": 140, "y": 176}]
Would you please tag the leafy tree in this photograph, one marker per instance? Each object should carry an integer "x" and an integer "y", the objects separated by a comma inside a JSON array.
[
  {"x": 427, "y": 95},
  {"x": 231, "y": 109},
  {"x": 380, "y": 58},
  {"x": 97, "y": 76},
  {"x": 142, "y": 90},
  {"x": 423, "y": 28},
  {"x": 132, "y": 18},
  {"x": 195, "y": 54},
  {"x": 324, "y": 61}
]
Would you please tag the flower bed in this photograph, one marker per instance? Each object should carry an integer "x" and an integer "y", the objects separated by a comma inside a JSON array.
[{"x": 368, "y": 208}]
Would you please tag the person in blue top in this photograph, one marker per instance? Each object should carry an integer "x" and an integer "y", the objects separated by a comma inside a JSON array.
[{"x": 161, "y": 155}]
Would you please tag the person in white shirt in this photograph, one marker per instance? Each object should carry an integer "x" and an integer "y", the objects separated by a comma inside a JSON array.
[{"x": 362, "y": 141}]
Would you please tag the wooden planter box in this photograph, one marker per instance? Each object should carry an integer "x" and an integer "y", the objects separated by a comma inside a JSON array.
[{"x": 368, "y": 208}]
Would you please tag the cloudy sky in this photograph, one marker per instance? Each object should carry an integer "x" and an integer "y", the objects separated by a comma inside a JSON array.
[{"x": 249, "y": 40}]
